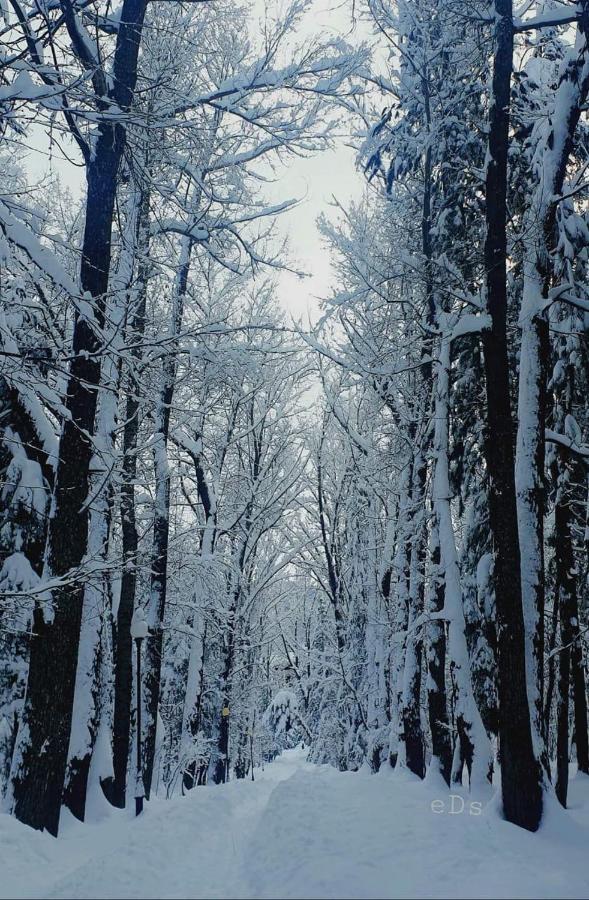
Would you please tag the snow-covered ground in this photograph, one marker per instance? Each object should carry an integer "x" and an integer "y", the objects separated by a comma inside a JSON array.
[{"x": 303, "y": 831}]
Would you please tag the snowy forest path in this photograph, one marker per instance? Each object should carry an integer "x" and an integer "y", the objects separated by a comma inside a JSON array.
[
  {"x": 303, "y": 831},
  {"x": 197, "y": 846}
]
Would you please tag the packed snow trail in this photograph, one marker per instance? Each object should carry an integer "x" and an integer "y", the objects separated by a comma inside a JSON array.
[{"x": 302, "y": 831}]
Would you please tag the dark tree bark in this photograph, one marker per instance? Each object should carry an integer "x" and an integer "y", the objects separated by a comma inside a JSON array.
[
  {"x": 436, "y": 647},
  {"x": 161, "y": 533},
  {"x": 222, "y": 763},
  {"x": 194, "y": 772},
  {"x": 551, "y": 679},
  {"x": 123, "y": 644},
  {"x": 539, "y": 277},
  {"x": 331, "y": 562},
  {"x": 412, "y": 730},
  {"x": 436, "y": 662},
  {"x": 568, "y": 476},
  {"x": 579, "y": 692},
  {"x": 521, "y": 776},
  {"x": 41, "y": 757},
  {"x": 566, "y": 589}
]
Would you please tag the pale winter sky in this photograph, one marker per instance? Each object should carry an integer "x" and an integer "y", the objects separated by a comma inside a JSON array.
[
  {"x": 314, "y": 181},
  {"x": 318, "y": 179}
]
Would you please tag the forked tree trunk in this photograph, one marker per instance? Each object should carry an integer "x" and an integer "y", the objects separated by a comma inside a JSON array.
[{"x": 40, "y": 759}]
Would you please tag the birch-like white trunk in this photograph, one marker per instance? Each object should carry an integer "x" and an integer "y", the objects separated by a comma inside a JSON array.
[
  {"x": 550, "y": 161},
  {"x": 466, "y": 710},
  {"x": 92, "y": 693}
]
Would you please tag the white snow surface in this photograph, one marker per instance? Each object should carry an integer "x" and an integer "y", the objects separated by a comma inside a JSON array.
[{"x": 302, "y": 831}]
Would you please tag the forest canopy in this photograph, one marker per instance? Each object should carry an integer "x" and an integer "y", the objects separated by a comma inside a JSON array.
[{"x": 226, "y": 531}]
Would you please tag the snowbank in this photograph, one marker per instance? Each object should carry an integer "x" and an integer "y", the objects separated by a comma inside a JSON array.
[{"x": 304, "y": 831}]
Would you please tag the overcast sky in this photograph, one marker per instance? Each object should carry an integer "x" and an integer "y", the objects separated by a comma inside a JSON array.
[
  {"x": 317, "y": 180},
  {"x": 314, "y": 181}
]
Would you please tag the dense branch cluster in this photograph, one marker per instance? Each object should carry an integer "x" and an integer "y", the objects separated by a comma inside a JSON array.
[{"x": 369, "y": 536}]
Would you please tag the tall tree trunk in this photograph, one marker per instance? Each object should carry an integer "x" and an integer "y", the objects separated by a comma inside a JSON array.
[
  {"x": 569, "y": 473},
  {"x": 161, "y": 527},
  {"x": 475, "y": 748},
  {"x": 221, "y": 772},
  {"x": 439, "y": 722},
  {"x": 579, "y": 691},
  {"x": 222, "y": 764},
  {"x": 123, "y": 651},
  {"x": 412, "y": 730},
  {"x": 401, "y": 591},
  {"x": 205, "y": 585},
  {"x": 90, "y": 703},
  {"x": 193, "y": 704},
  {"x": 530, "y": 485},
  {"x": 566, "y": 588},
  {"x": 540, "y": 228},
  {"x": 436, "y": 645},
  {"x": 374, "y": 640},
  {"x": 551, "y": 680},
  {"x": 521, "y": 779},
  {"x": 38, "y": 777},
  {"x": 40, "y": 759}
]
